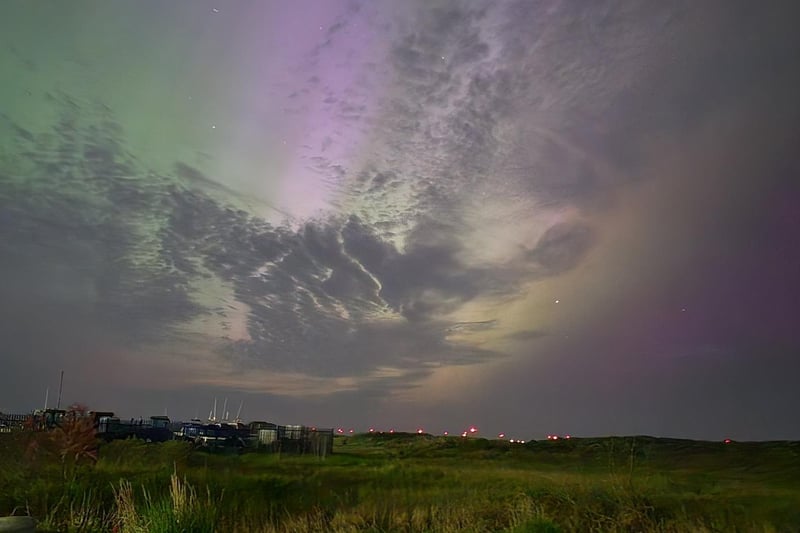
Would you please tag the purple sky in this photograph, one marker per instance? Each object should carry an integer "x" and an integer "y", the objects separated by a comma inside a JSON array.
[{"x": 535, "y": 217}]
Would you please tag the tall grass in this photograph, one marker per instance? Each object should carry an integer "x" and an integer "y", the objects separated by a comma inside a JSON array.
[
  {"x": 415, "y": 484},
  {"x": 180, "y": 512}
]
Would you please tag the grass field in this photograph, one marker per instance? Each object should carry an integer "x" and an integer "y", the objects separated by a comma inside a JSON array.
[{"x": 405, "y": 482}]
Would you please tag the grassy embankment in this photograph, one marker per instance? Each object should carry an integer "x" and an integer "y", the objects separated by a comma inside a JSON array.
[{"x": 410, "y": 483}]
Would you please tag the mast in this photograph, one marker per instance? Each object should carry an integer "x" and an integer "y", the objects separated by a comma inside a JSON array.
[
  {"x": 60, "y": 387},
  {"x": 46, "y": 396}
]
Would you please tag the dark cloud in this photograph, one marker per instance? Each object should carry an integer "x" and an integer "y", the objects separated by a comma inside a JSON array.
[
  {"x": 428, "y": 277},
  {"x": 73, "y": 209},
  {"x": 320, "y": 306},
  {"x": 562, "y": 247}
]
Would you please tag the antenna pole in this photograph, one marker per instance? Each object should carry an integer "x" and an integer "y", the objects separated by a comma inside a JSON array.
[
  {"x": 60, "y": 387},
  {"x": 46, "y": 396}
]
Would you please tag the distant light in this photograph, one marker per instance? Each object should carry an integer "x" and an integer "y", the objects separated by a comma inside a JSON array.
[
  {"x": 521, "y": 441},
  {"x": 445, "y": 433},
  {"x": 567, "y": 436},
  {"x": 339, "y": 430},
  {"x": 351, "y": 430},
  {"x": 420, "y": 431},
  {"x": 464, "y": 434},
  {"x": 473, "y": 429},
  {"x": 372, "y": 430},
  {"x": 215, "y": 10},
  {"x": 213, "y": 126},
  {"x": 727, "y": 441},
  {"x": 557, "y": 301},
  {"x": 501, "y": 436},
  {"x": 391, "y": 431},
  {"x": 510, "y": 440},
  {"x": 555, "y": 437}
]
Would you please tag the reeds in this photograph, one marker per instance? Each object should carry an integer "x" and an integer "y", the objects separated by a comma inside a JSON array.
[{"x": 181, "y": 511}]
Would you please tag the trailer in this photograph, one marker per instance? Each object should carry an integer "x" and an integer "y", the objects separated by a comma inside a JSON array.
[
  {"x": 215, "y": 434},
  {"x": 155, "y": 429}
]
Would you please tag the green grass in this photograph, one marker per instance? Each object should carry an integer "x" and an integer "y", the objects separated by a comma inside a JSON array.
[{"x": 405, "y": 482}]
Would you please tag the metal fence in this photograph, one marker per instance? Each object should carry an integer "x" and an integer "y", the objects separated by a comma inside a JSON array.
[
  {"x": 293, "y": 439},
  {"x": 10, "y": 422}
]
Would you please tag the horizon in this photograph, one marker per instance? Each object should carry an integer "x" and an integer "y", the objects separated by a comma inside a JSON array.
[
  {"x": 578, "y": 219},
  {"x": 468, "y": 431}
]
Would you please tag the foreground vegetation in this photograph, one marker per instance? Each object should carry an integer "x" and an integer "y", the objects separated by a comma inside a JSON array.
[{"x": 405, "y": 482}]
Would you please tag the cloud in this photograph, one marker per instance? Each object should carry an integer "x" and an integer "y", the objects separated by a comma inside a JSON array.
[
  {"x": 76, "y": 233},
  {"x": 562, "y": 247},
  {"x": 470, "y": 327},
  {"x": 380, "y": 285},
  {"x": 526, "y": 335},
  {"x": 113, "y": 246}
]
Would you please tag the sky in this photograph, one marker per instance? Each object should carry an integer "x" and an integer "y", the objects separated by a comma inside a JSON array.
[{"x": 536, "y": 217}]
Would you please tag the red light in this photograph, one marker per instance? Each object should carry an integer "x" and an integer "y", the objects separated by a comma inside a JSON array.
[
  {"x": 420, "y": 431},
  {"x": 473, "y": 429},
  {"x": 501, "y": 436},
  {"x": 391, "y": 431},
  {"x": 445, "y": 433},
  {"x": 464, "y": 434},
  {"x": 727, "y": 441},
  {"x": 339, "y": 430},
  {"x": 566, "y": 436},
  {"x": 351, "y": 431},
  {"x": 372, "y": 430}
]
